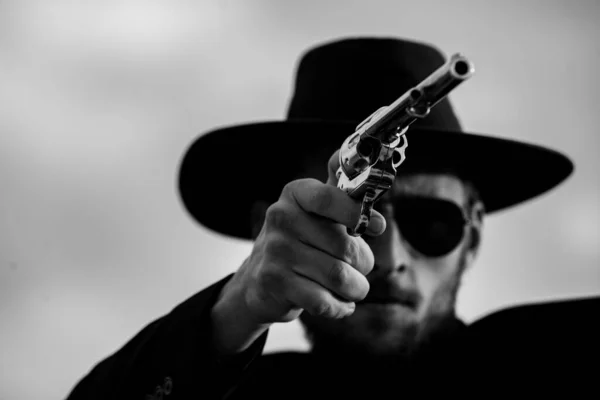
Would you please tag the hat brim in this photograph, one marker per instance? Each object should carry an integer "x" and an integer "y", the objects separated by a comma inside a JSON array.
[{"x": 225, "y": 171}]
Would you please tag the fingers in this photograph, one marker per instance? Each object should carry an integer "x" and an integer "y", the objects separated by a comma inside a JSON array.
[
  {"x": 298, "y": 275},
  {"x": 316, "y": 300},
  {"x": 332, "y": 274},
  {"x": 291, "y": 229},
  {"x": 332, "y": 239},
  {"x": 332, "y": 203}
]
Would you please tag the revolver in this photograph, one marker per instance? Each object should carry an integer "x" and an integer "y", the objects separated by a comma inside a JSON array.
[{"x": 370, "y": 156}]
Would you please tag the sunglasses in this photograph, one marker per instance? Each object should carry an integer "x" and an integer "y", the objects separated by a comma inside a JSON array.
[{"x": 434, "y": 227}]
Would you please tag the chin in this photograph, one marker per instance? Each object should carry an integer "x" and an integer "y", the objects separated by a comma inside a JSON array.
[
  {"x": 392, "y": 314},
  {"x": 384, "y": 322},
  {"x": 372, "y": 330}
]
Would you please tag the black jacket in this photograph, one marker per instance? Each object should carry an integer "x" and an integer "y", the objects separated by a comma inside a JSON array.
[{"x": 543, "y": 347}]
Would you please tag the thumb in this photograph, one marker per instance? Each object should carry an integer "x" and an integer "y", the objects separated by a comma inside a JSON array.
[{"x": 332, "y": 166}]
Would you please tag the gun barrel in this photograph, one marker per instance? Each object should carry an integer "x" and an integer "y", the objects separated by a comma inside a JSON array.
[
  {"x": 418, "y": 101},
  {"x": 442, "y": 81}
]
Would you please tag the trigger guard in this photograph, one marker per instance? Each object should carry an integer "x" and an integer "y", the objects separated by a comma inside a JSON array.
[{"x": 365, "y": 214}]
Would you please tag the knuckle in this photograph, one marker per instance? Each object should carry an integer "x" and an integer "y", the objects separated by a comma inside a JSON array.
[
  {"x": 333, "y": 164},
  {"x": 276, "y": 247},
  {"x": 365, "y": 260},
  {"x": 270, "y": 278},
  {"x": 362, "y": 290},
  {"x": 328, "y": 309},
  {"x": 323, "y": 309},
  {"x": 288, "y": 189},
  {"x": 271, "y": 281},
  {"x": 337, "y": 275},
  {"x": 334, "y": 161},
  {"x": 351, "y": 251},
  {"x": 277, "y": 216}
]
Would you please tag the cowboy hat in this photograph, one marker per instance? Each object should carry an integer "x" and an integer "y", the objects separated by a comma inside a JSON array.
[{"x": 338, "y": 84}]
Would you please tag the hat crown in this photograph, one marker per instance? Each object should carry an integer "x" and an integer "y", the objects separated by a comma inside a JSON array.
[{"x": 349, "y": 79}]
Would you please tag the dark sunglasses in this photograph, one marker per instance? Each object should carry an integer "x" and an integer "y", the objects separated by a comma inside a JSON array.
[{"x": 434, "y": 227}]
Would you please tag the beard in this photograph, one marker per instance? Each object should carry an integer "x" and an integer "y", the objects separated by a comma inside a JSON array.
[{"x": 393, "y": 337}]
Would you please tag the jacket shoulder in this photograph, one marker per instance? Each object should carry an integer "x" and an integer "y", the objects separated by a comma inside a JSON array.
[
  {"x": 555, "y": 339},
  {"x": 284, "y": 359},
  {"x": 574, "y": 315}
]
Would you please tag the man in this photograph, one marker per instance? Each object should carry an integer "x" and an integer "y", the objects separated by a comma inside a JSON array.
[{"x": 379, "y": 309}]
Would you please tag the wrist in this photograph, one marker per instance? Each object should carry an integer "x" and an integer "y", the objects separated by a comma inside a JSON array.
[{"x": 234, "y": 329}]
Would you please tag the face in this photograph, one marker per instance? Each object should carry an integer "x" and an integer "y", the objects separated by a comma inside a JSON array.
[{"x": 412, "y": 295}]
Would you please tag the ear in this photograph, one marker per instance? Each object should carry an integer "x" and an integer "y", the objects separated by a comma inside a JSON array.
[
  {"x": 257, "y": 216},
  {"x": 475, "y": 231}
]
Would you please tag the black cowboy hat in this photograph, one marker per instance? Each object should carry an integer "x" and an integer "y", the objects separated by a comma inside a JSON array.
[{"x": 338, "y": 84}]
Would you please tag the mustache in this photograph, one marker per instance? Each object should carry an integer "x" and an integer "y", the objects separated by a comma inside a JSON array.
[{"x": 390, "y": 290}]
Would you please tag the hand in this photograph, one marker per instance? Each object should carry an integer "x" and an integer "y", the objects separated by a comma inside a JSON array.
[{"x": 303, "y": 258}]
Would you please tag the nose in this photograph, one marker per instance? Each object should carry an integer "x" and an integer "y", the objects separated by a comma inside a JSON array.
[{"x": 390, "y": 251}]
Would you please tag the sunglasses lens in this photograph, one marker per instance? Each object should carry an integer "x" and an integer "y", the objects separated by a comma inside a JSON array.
[{"x": 433, "y": 227}]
